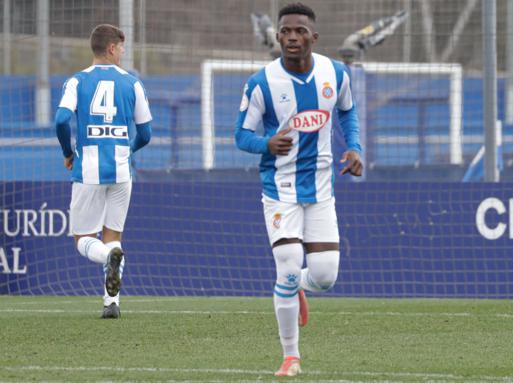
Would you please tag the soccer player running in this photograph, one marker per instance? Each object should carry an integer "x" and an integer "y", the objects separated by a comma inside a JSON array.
[
  {"x": 296, "y": 97},
  {"x": 105, "y": 99}
]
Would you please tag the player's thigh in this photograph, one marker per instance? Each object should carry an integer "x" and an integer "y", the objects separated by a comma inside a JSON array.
[
  {"x": 282, "y": 219},
  {"x": 118, "y": 201},
  {"x": 87, "y": 208},
  {"x": 321, "y": 225}
]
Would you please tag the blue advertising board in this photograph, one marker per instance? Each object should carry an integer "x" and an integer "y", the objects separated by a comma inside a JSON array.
[{"x": 208, "y": 238}]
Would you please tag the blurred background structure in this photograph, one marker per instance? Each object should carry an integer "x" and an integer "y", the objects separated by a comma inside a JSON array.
[
  {"x": 415, "y": 120},
  {"x": 431, "y": 97}
]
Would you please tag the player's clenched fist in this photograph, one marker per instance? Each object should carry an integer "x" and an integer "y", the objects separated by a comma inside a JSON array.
[{"x": 280, "y": 143}]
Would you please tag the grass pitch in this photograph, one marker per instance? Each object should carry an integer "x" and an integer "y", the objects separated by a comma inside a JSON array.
[{"x": 62, "y": 339}]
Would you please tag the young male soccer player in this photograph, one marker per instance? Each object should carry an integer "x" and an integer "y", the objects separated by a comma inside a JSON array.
[
  {"x": 295, "y": 97},
  {"x": 105, "y": 99}
]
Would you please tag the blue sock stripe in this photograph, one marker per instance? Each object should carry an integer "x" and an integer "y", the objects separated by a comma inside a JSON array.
[
  {"x": 285, "y": 295},
  {"x": 283, "y": 287}
]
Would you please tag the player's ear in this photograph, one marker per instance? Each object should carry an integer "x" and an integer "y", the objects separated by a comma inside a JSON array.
[
  {"x": 315, "y": 37},
  {"x": 110, "y": 48}
]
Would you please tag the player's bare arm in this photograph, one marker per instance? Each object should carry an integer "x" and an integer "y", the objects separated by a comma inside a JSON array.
[
  {"x": 280, "y": 144},
  {"x": 355, "y": 166}
]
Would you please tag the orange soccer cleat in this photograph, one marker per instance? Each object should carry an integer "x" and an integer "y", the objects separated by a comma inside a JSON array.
[
  {"x": 289, "y": 367},
  {"x": 303, "y": 309}
]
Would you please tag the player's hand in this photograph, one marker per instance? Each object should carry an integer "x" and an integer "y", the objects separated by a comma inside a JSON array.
[
  {"x": 68, "y": 162},
  {"x": 355, "y": 165},
  {"x": 280, "y": 144}
]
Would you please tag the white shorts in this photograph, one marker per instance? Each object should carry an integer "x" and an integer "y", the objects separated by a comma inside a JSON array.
[
  {"x": 95, "y": 206},
  {"x": 310, "y": 222}
]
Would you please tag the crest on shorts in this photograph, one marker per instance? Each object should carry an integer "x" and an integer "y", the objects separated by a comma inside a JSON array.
[
  {"x": 327, "y": 90},
  {"x": 277, "y": 220}
]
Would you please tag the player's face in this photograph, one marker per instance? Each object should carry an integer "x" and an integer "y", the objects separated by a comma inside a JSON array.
[{"x": 296, "y": 36}]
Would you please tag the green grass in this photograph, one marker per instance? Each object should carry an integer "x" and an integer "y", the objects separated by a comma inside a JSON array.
[{"x": 62, "y": 339}]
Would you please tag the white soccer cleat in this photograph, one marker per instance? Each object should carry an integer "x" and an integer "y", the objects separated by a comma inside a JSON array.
[{"x": 290, "y": 367}]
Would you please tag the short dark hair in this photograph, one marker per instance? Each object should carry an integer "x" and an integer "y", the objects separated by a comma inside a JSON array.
[
  {"x": 296, "y": 9},
  {"x": 104, "y": 35}
]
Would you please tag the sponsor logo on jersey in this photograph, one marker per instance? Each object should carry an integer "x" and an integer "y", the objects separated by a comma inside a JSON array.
[
  {"x": 284, "y": 97},
  {"x": 277, "y": 220},
  {"x": 107, "y": 131},
  {"x": 327, "y": 90},
  {"x": 309, "y": 121}
]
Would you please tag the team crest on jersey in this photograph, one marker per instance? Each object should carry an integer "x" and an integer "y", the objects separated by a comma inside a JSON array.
[
  {"x": 327, "y": 90},
  {"x": 277, "y": 220},
  {"x": 309, "y": 121}
]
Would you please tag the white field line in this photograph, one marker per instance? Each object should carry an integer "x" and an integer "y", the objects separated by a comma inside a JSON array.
[
  {"x": 435, "y": 377},
  {"x": 235, "y": 381},
  {"x": 45, "y": 303},
  {"x": 219, "y": 381},
  {"x": 259, "y": 380},
  {"x": 242, "y": 312},
  {"x": 93, "y": 300},
  {"x": 228, "y": 381}
]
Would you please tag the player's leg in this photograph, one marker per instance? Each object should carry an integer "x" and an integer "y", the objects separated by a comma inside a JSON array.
[
  {"x": 284, "y": 224},
  {"x": 87, "y": 212},
  {"x": 322, "y": 246},
  {"x": 111, "y": 303},
  {"x": 118, "y": 201}
]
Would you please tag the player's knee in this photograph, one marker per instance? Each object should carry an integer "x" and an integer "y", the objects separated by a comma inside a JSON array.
[
  {"x": 323, "y": 268},
  {"x": 289, "y": 260}
]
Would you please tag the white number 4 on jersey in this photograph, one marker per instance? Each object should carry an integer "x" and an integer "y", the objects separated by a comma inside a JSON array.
[{"x": 103, "y": 101}]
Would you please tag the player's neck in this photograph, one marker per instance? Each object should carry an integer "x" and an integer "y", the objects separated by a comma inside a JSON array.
[
  {"x": 298, "y": 65},
  {"x": 103, "y": 61}
]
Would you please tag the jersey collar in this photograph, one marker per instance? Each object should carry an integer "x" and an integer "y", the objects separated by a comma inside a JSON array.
[{"x": 301, "y": 78}]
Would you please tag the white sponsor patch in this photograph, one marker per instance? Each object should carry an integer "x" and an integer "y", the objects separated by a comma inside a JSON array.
[
  {"x": 309, "y": 121},
  {"x": 107, "y": 131}
]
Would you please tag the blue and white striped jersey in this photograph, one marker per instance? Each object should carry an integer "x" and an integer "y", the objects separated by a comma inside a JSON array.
[
  {"x": 106, "y": 100},
  {"x": 306, "y": 103}
]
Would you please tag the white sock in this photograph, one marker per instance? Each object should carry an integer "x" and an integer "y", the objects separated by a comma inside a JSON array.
[
  {"x": 289, "y": 259},
  {"x": 113, "y": 244},
  {"x": 287, "y": 312},
  {"x": 93, "y": 249},
  {"x": 321, "y": 273},
  {"x": 107, "y": 299}
]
